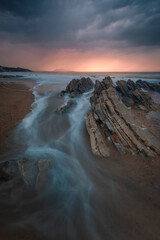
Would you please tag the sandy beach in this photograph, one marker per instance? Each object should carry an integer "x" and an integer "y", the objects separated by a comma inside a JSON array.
[{"x": 15, "y": 103}]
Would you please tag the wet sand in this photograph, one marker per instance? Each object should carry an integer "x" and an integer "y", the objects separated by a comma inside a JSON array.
[{"x": 15, "y": 103}]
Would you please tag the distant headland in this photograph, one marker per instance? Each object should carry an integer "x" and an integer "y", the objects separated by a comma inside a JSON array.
[{"x": 12, "y": 69}]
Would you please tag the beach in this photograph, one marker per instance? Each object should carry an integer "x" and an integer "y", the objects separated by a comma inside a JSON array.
[
  {"x": 63, "y": 190},
  {"x": 15, "y": 103}
]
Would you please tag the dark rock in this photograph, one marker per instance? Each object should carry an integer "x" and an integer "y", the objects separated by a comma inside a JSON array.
[
  {"x": 8, "y": 170},
  {"x": 149, "y": 86},
  {"x": 99, "y": 86},
  {"x": 77, "y": 87},
  {"x": 65, "y": 106},
  {"x": 131, "y": 94},
  {"x": 126, "y": 88}
]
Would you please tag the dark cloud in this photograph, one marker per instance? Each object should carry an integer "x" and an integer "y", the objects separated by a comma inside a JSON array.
[
  {"x": 80, "y": 23},
  {"x": 24, "y": 8}
]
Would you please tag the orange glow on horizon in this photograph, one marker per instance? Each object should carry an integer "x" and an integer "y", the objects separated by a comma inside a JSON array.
[
  {"x": 111, "y": 62},
  {"x": 80, "y": 61}
]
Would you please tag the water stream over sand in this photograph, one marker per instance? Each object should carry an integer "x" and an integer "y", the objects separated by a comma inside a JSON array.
[{"x": 44, "y": 134}]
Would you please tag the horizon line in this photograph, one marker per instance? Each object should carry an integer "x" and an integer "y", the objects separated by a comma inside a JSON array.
[{"x": 96, "y": 71}]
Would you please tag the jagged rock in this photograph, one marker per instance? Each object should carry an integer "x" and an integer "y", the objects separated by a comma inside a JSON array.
[
  {"x": 148, "y": 86},
  {"x": 131, "y": 94},
  {"x": 77, "y": 87},
  {"x": 99, "y": 86},
  {"x": 65, "y": 106},
  {"x": 126, "y": 88},
  {"x": 116, "y": 121}
]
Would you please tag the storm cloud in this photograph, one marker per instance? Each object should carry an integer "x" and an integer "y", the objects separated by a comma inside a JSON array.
[
  {"x": 90, "y": 35},
  {"x": 80, "y": 24}
]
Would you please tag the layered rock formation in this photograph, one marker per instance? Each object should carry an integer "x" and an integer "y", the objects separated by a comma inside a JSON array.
[
  {"x": 97, "y": 139},
  {"x": 77, "y": 87},
  {"x": 111, "y": 120},
  {"x": 131, "y": 94},
  {"x": 149, "y": 86}
]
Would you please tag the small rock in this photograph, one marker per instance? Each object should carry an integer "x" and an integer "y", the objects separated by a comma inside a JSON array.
[{"x": 65, "y": 107}]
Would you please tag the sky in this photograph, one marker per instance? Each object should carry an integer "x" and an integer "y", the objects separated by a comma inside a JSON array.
[{"x": 80, "y": 35}]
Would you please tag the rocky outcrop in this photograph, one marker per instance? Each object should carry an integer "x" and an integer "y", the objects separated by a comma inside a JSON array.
[
  {"x": 34, "y": 173},
  {"x": 149, "y": 86},
  {"x": 77, "y": 87},
  {"x": 65, "y": 106},
  {"x": 131, "y": 94},
  {"x": 114, "y": 121}
]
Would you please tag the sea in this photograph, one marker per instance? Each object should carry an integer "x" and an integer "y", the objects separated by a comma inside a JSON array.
[{"x": 65, "y": 77}]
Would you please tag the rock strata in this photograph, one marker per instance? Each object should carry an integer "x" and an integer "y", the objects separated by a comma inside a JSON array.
[
  {"x": 149, "y": 86},
  {"x": 77, "y": 87},
  {"x": 98, "y": 141},
  {"x": 111, "y": 119},
  {"x": 131, "y": 94}
]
